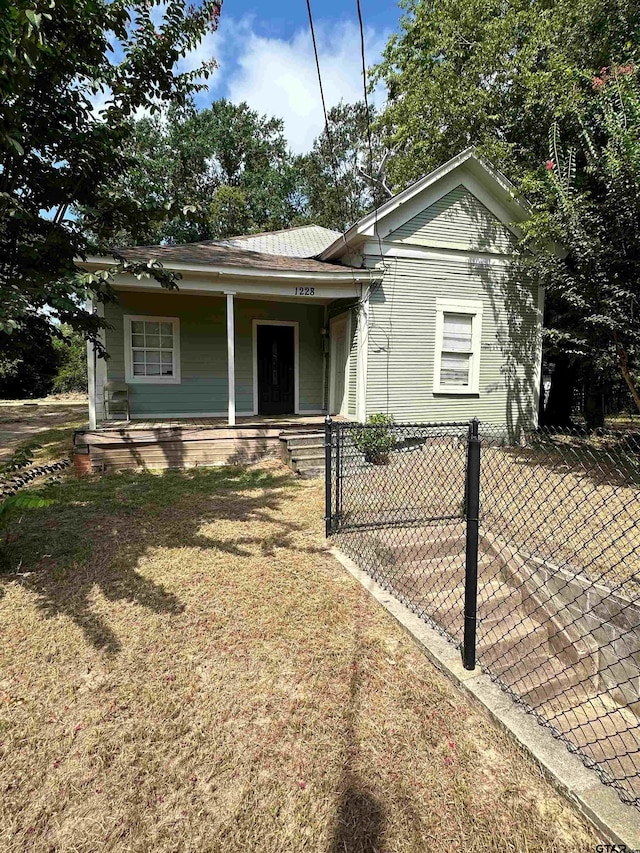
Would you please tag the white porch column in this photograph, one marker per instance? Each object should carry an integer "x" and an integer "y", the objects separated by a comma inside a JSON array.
[
  {"x": 91, "y": 375},
  {"x": 362, "y": 357},
  {"x": 91, "y": 383},
  {"x": 231, "y": 357}
]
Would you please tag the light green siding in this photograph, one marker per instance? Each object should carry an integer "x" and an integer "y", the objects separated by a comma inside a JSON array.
[
  {"x": 203, "y": 351},
  {"x": 459, "y": 220},
  {"x": 353, "y": 364},
  {"x": 402, "y": 341}
]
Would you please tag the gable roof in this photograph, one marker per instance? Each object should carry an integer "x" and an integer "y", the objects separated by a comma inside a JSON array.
[
  {"x": 497, "y": 184},
  {"x": 304, "y": 241}
]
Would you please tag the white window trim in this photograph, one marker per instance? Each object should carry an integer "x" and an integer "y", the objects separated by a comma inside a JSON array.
[
  {"x": 458, "y": 306},
  {"x": 296, "y": 361},
  {"x": 130, "y": 379}
]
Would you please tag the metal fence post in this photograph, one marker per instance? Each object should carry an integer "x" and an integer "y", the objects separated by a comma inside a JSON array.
[
  {"x": 327, "y": 476},
  {"x": 338, "y": 472},
  {"x": 472, "y": 490}
]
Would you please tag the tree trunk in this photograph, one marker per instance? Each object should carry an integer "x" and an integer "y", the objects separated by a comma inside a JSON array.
[
  {"x": 623, "y": 361},
  {"x": 560, "y": 401},
  {"x": 594, "y": 407}
]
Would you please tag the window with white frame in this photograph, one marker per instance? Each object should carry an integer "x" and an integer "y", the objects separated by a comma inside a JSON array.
[
  {"x": 457, "y": 352},
  {"x": 152, "y": 349}
]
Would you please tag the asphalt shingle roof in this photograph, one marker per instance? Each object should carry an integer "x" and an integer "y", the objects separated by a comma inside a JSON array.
[
  {"x": 306, "y": 241},
  {"x": 212, "y": 253}
]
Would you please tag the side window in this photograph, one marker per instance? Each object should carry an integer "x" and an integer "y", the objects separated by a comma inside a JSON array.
[{"x": 457, "y": 347}]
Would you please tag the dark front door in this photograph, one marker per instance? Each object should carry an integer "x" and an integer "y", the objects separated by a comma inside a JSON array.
[{"x": 276, "y": 395}]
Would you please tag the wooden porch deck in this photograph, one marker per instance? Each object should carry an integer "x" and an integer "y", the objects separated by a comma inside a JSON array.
[
  {"x": 188, "y": 442},
  {"x": 242, "y": 422}
]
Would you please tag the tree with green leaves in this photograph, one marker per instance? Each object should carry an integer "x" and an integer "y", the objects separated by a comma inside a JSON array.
[
  {"x": 222, "y": 171},
  {"x": 60, "y": 150},
  {"x": 589, "y": 205},
  {"x": 340, "y": 178},
  {"x": 28, "y": 360},
  {"x": 71, "y": 356},
  {"x": 495, "y": 75}
]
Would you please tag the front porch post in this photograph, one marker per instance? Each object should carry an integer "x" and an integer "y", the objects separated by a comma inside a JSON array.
[
  {"x": 91, "y": 375},
  {"x": 231, "y": 357},
  {"x": 361, "y": 358}
]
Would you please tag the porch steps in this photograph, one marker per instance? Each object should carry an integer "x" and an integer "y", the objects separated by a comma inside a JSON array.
[{"x": 303, "y": 452}]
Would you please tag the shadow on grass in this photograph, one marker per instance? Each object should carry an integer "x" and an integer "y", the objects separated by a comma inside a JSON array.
[
  {"x": 98, "y": 529},
  {"x": 359, "y": 820},
  {"x": 607, "y": 459}
]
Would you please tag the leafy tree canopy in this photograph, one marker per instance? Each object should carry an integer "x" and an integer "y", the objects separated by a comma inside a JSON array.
[
  {"x": 590, "y": 205},
  {"x": 339, "y": 179},
  {"x": 498, "y": 75},
  {"x": 495, "y": 75},
  {"x": 28, "y": 360},
  {"x": 59, "y": 151},
  {"x": 204, "y": 175}
]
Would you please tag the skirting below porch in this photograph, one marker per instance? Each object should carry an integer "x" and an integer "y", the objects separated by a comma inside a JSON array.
[{"x": 186, "y": 443}]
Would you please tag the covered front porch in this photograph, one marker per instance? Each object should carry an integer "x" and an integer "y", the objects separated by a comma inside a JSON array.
[
  {"x": 224, "y": 358},
  {"x": 224, "y": 371},
  {"x": 243, "y": 422}
]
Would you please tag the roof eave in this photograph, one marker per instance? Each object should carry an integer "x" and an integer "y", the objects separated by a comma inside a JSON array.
[{"x": 222, "y": 271}]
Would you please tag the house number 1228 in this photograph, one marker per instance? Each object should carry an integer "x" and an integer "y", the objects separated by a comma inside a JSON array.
[{"x": 305, "y": 291}]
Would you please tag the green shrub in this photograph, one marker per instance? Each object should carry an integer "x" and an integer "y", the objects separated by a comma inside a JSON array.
[{"x": 375, "y": 439}]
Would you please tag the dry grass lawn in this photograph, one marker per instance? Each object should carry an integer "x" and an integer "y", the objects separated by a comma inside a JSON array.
[
  {"x": 184, "y": 668},
  {"x": 47, "y": 423}
]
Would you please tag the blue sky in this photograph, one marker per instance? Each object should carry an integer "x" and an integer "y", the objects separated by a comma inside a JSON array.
[
  {"x": 280, "y": 19},
  {"x": 266, "y": 57}
]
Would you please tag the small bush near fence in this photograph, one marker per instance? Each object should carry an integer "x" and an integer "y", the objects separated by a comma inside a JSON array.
[
  {"x": 374, "y": 440},
  {"x": 558, "y": 618}
]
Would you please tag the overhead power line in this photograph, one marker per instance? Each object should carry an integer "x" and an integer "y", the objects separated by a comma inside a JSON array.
[
  {"x": 369, "y": 137},
  {"x": 333, "y": 159}
]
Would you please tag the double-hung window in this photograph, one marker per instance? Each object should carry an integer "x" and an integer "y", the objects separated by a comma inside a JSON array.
[
  {"x": 457, "y": 350},
  {"x": 152, "y": 349}
]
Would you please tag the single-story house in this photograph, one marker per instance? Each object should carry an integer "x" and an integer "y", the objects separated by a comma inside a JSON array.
[{"x": 417, "y": 311}]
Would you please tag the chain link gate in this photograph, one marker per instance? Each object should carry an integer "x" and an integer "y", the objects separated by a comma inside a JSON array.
[
  {"x": 523, "y": 548},
  {"x": 434, "y": 473}
]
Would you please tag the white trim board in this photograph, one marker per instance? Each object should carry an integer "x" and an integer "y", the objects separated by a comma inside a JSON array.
[
  {"x": 362, "y": 360},
  {"x": 296, "y": 360},
  {"x": 437, "y": 253},
  {"x": 101, "y": 372},
  {"x": 336, "y": 273},
  {"x": 91, "y": 375}
]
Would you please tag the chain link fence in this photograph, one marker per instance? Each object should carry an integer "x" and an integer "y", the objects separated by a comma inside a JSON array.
[{"x": 557, "y": 551}]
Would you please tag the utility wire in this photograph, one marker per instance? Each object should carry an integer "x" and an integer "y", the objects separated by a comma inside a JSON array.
[
  {"x": 333, "y": 158},
  {"x": 369, "y": 139}
]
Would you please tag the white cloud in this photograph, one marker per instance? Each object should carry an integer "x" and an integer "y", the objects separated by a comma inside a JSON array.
[{"x": 279, "y": 77}]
